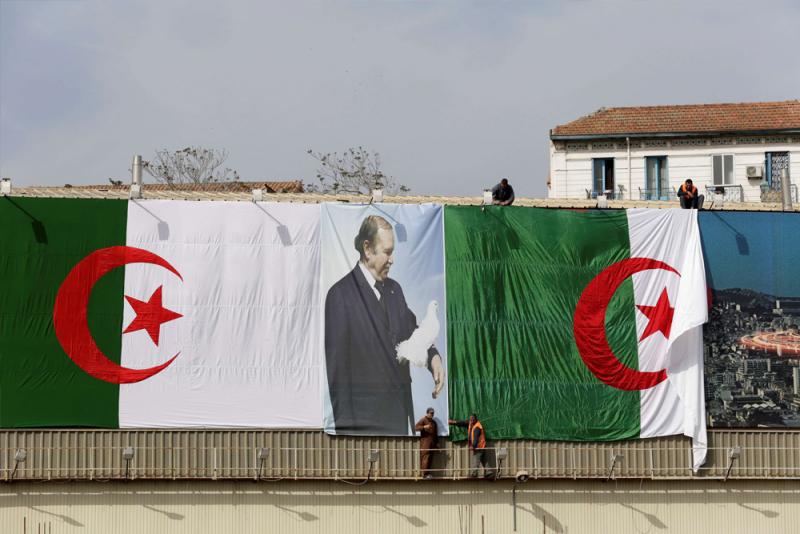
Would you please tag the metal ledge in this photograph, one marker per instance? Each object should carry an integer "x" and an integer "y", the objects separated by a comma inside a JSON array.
[{"x": 313, "y": 455}]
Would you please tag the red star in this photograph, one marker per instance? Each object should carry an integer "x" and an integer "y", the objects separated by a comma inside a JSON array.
[
  {"x": 660, "y": 316},
  {"x": 150, "y": 315}
]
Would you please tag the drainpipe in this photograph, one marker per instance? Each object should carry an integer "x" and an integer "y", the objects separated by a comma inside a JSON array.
[
  {"x": 136, "y": 174},
  {"x": 630, "y": 180},
  {"x": 137, "y": 170},
  {"x": 566, "y": 151},
  {"x": 786, "y": 185}
]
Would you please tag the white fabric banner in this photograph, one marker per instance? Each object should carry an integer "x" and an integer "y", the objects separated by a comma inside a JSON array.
[
  {"x": 676, "y": 405},
  {"x": 249, "y": 334}
]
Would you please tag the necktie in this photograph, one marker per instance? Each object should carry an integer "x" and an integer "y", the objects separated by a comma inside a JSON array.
[{"x": 381, "y": 287}]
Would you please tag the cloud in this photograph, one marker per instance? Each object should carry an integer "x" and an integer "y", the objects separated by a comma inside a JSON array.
[{"x": 454, "y": 95}]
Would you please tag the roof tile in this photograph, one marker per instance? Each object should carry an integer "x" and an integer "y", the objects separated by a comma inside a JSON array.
[
  {"x": 121, "y": 192},
  {"x": 295, "y": 186},
  {"x": 701, "y": 118}
]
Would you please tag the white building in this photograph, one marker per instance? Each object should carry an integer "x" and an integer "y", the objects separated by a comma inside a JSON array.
[{"x": 646, "y": 153}]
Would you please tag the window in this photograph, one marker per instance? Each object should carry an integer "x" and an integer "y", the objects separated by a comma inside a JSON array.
[
  {"x": 723, "y": 169},
  {"x": 656, "y": 178},
  {"x": 776, "y": 162},
  {"x": 603, "y": 176}
]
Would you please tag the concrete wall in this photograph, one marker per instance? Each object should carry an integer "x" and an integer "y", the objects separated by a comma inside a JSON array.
[{"x": 398, "y": 507}]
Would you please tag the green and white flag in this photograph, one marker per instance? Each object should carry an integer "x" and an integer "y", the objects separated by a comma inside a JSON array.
[
  {"x": 560, "y": 324},
  {"x": 159, "y": 314},
  {"x": 567, "y": 325}
]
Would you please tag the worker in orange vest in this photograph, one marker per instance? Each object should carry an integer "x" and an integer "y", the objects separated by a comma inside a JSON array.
[
  {"x": 689, "y": 196},
  {"x": 476, "y": 438}
]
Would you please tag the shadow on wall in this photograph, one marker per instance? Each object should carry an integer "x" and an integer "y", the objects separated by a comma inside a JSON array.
[
  {"x": 65, "y": 518},
  {"x": 551, "y": 505},
  {"x": 548, "y": 520},
  {"x": 162, "y": 227},
  {"x": 766, "y": 513},
  {"x": 414, "y": 520},
  {"x": 741, "y": 240},
  {"x": 169, "y": 515},
  {"x": 305, "y": 516},
  {"x": 440, "y": 462},
  {"x": 654, "y": 520},
  {"x": 742, "y": 246},
  {"x": 39, "y": 231}
]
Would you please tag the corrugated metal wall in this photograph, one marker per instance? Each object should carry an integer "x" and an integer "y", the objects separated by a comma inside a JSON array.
[
  {"x": 553, "y": 506},
  {"x": 226, "y": 454}
]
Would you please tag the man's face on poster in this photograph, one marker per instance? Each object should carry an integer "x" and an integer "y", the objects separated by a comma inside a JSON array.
[{"x": 380, "y": 256}]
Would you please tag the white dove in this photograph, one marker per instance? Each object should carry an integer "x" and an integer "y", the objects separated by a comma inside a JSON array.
[{"x": 415, "y": 348}]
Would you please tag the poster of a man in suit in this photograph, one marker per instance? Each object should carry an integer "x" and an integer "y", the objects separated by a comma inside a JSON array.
[{"x": 384, "y": 317}]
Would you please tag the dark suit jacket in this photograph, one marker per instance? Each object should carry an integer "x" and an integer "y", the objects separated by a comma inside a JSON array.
[{"x": 370, "y": 391}]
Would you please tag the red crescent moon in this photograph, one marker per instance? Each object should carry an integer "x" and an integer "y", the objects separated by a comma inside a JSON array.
[
  {"x": 69, "y": 313},
  {"x": 589, "y": 327}
]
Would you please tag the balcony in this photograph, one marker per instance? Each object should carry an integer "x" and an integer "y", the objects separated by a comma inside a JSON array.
[
  {"x": 665, "y": 193},
  {"x": 774, "y": 194},
  {"x": 724, "y": 193},
  {"x": 609, "y": 193}
]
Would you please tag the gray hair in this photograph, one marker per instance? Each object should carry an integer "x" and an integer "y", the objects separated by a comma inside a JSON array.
[{"x": 369, "y": 232}]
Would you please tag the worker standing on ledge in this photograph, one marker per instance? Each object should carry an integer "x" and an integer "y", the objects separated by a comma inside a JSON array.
[{"x": 476, "y": 438}]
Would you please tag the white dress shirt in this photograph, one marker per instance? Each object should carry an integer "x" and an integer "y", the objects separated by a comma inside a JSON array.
[{"x": 370, "y": 280}]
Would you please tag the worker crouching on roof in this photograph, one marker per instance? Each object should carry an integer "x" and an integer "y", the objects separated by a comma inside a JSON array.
[{"x": 690, "y": 199}]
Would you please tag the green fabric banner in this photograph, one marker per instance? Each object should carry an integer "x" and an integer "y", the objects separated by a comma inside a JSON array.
[
  {"x": 41, "y": 240},
  {"x": 514, "y": 277}
]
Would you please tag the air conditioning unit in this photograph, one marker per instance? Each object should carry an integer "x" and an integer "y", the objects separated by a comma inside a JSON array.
[{"x": 754, "y": 171}]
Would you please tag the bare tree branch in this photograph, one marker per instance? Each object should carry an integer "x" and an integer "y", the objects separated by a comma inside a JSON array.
[
  {"x": 355, "y": 171},
  {"x": 191, "y": 165}
]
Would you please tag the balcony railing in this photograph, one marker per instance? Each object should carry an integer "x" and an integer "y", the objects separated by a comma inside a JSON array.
[
  {"x": 609, "y": 193},
  {"x": 726, "y": 193},
  {"x": 665, "y": 193},
  {"x": 273, "y": 456},
  {"x": 770, "y": 194}
]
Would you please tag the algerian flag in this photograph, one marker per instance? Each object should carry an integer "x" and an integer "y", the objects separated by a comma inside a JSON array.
[
  {"x": 567, "y": 325},
  {"x": 41, "y": 240},
  {"x": 159, "y": 314},
  {"x": 561, "y": 324}
]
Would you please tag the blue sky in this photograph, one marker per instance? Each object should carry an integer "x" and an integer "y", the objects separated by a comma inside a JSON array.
[{"x": 453, "y": 94}]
